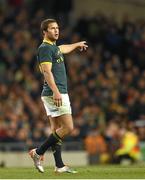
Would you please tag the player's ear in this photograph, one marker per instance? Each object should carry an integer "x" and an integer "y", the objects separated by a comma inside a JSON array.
[{"x": 44, "y": 31}]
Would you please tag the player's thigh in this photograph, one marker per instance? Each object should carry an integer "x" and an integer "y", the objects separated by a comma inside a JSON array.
[{"x": 66, "y": 121}]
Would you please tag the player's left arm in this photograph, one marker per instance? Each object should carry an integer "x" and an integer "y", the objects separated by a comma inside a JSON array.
[{"x": 65, "y": 49}]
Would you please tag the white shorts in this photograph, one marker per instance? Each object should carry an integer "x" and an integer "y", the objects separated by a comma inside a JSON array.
[{"x": 54, "y": 111}]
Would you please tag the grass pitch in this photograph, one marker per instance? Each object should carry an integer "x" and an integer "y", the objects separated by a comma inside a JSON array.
[{"x": 88, "y": 172}]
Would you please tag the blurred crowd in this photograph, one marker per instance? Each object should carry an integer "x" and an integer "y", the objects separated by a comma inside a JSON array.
[{"x": 106, "y": 83}]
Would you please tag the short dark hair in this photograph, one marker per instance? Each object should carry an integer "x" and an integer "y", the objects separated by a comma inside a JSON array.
[{"x": 45, "y": 23}]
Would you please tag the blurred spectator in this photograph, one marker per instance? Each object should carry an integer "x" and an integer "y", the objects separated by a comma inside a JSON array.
[
  {"x": 96, "y": 148},
  {"x": 129, "y": 151}
]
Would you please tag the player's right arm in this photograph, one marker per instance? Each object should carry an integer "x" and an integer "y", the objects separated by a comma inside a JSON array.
[
  {"x": 45, "y": 60},
  {"x": 46, "y": 70}
]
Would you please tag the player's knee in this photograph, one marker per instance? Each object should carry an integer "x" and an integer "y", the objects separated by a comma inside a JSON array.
[
  {"x": 69, "y": 129},
  {"x": 53, "y": 130}
]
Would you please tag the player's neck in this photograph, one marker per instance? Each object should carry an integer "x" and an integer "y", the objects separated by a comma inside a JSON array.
[{"x": 48, "y": 41}]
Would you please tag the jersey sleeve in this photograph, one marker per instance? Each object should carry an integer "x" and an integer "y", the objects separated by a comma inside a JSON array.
[{"x": 45, "y": 55}]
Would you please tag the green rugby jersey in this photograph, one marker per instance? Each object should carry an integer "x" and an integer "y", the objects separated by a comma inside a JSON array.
[{"x": 50, "y": 53}]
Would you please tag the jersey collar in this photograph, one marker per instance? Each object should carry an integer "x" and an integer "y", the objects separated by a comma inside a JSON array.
[{"x": 48, "y": 41}]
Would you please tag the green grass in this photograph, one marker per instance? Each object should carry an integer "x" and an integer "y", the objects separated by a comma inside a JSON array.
[{"x": 89, "y": 172}]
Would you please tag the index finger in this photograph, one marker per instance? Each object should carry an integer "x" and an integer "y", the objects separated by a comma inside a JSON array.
[
  {"x": 59, "y": 102},
  {"x": 84, "y": 42}
]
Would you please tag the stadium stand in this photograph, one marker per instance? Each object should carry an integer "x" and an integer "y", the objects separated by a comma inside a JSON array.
[{"x": 106, "y": 83}]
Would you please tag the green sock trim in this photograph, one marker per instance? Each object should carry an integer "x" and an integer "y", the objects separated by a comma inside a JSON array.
[
  {"x": 59, "y": 143},
  {"x": 57, "y": 137}
]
